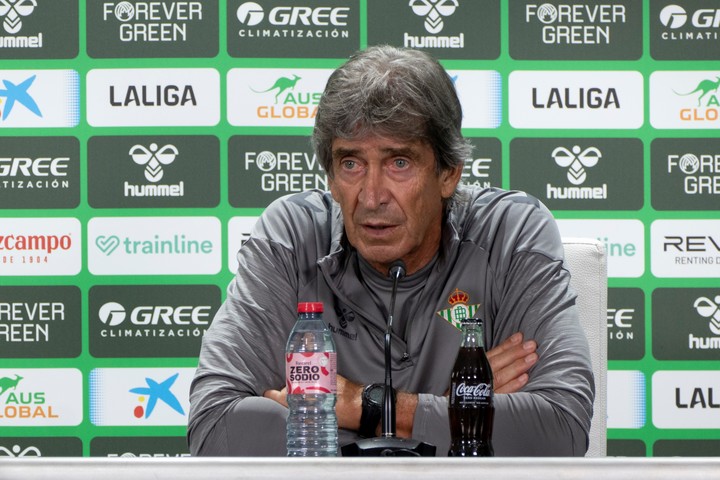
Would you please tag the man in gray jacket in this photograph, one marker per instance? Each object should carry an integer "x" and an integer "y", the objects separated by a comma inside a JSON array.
[{"x": 388, "y": 134}]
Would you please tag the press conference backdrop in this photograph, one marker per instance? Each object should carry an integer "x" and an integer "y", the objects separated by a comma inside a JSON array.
[{"x": 140, "y": 140}]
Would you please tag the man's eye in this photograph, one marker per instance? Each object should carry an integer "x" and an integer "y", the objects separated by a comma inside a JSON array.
[
  {"x": 348, "y": 164},
  {"x": 401, "y": 163}
]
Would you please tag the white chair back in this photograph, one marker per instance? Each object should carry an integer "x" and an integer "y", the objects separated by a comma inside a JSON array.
[{"x": 586, "y": 260}]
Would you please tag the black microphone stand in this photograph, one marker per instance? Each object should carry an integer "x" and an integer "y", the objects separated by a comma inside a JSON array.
[{"x": 389, "y": 445}]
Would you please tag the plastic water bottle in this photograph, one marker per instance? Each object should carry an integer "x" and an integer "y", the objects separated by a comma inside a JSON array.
[{"x": 311, "y": 377}]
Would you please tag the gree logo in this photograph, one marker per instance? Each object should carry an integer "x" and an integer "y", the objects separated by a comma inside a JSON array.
[
  {"x": 153, "y": 158},
  {"x": 434, "y": 11},
  {"x": 576, "y": 160},
  {"x": 13, "y": 11}
]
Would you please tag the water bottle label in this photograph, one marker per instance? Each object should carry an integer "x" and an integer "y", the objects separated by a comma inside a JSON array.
[{"x": 311, "y": 372}]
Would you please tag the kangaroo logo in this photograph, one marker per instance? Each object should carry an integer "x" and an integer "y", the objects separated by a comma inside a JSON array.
[
  {"x": 6, "y": 383},
  {"x": 282, "y": 84},
  {"x": 704, "y": 87},
  {"x": 709, "y": 309},
  {"x": 576, "y": 160},
  {"x": 13, "y": 10},
  {"x": 153, "y": 159}
]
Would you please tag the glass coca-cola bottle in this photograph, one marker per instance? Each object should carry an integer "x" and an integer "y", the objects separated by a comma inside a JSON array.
[{"x": 471, "y": 396}]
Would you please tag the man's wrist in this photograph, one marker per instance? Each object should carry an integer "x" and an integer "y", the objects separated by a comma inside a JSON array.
[{"x": 372, "y": 407}]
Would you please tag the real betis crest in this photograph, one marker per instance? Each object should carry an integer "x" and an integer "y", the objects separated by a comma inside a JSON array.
[{"x": 459, "y": 308}]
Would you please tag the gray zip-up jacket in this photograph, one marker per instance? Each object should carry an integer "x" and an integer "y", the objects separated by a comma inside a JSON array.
[{"x": 501, "y": 258}]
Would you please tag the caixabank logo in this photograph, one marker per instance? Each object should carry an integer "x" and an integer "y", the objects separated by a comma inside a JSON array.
[
  {"x": 579, "y": 174},
  {"x": 153, "y": 171},
  {"x": 139, "y": 447},
  {"x": 685, "y": 173},
  {"x": 685, "y": 100},
  {"x": 39, "y": 98},
  {"x": 685, "y": 248},
  {"x": 576, "y": 99},
  {"x": 154, "y": 246},
  {"x": 452, "y": 29},
  {"x": 40, "y": 246},
  {"x": 30, "y": 447},
  {"x": 625, "y": 399},
  {"x": 142, "y": 29},
  {"x": 624, "y": 242},
  {"x": 39, "y": 172},
  {"x": 153, "y": 97},
  {"x": 262, "y": 168},
  {"x": 480, "y": 94},
  {"x": 685, "y": 30},
  {"x": 140, "y": 396},
  {"x": 298, "y": 29},
  {"x": 579, "y": 30},
  {"x": 40, "y": 322},
  {"x": 29, "y": 29},
  {"x": 686, "y": 399},
  {"x": 686, "y": 323},
  {"x": 626, "y": 324},
  {"x": 274, "y": 97},
  {"x": 40, "y": 397},
  {"x": 150, "y": 320}
]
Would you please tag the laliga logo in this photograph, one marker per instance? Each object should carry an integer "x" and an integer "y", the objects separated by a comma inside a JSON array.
[
  {"x": 709, "y": 309},
  {"x": 12, "y": 10},
  {"x": 576, "y": 160},
  {"x": 153, "y": 159},
  {"x": 433, "y": 11}
]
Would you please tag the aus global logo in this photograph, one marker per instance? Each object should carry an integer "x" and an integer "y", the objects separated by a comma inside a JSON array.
[
  {"x": 274, "y": 96},
  {"x": 40, "y": 396},
  {"x": 288, "y": 102}
]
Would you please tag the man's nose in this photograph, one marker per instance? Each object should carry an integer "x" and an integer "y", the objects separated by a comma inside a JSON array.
[{"x": 375, "y": 191}]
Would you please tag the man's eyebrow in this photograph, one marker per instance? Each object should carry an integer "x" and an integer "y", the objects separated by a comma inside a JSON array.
[{"x": 407, "y": 151}]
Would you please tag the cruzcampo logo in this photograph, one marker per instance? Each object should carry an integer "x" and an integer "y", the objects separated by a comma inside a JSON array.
[{"x": 459, "y": 308}]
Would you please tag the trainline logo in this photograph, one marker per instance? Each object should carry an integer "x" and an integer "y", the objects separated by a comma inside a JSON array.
[
  {"x": 154, "y": 245},
  {"x": 624, "y": 242}
]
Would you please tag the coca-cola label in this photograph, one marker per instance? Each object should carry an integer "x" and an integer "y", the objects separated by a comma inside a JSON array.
[
  {"x": 311, "y": 372},
  {"x": 477, "y": 395}
]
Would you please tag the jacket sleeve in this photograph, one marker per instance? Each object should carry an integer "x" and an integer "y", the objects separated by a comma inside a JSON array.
[
  {"x": 242, "y": 352},
  {"x": 551, "y": 415}
]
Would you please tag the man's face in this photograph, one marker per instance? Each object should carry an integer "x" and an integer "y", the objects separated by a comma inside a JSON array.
[{"x": 391, "y": 198}]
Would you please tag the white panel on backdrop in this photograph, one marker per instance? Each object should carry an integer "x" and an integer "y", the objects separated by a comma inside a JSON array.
[
  {"x": 685, "y": 248},
  {"x": 34, "y": 397},
  {"x": 686, "y": 399},
  {"x": 625, "y": 399},
  {"x": 39, "y": 98}
]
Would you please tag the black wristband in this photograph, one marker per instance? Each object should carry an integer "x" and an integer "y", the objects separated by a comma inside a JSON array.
[{"x": 372, "y": 401}]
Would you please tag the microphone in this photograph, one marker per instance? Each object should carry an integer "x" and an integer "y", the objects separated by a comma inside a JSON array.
[{"x": 389, "y": 445}]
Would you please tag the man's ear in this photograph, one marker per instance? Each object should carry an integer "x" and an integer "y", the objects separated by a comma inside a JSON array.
[{"x": 449, "y": 180}]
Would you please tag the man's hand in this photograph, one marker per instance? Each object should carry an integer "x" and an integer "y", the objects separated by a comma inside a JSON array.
[{"x": 510, "y": 362}]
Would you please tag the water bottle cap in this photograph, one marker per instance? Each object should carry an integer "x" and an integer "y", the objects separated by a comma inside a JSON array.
[{"x": 310, "y": 307}]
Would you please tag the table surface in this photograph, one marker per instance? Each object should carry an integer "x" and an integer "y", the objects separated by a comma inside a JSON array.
[{"x": 610, "y": 468}]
